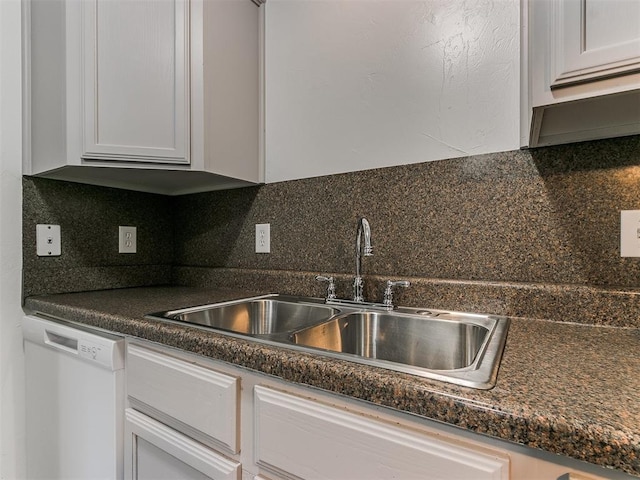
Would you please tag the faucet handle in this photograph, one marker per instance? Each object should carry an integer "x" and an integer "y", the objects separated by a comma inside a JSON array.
[
  {"x": 331, "y": 287},
  {"x": 388, "y": 291}
]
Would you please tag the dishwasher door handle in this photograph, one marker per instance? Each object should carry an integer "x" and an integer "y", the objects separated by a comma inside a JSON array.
[{"x": 61, "y": 342}]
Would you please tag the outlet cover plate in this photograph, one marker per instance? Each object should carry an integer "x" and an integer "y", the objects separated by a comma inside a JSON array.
[
  {"x": 48, "y": 240},
  {"x": 263, "y": 238},
  {"x": 127, "y": 241},
  {"x": 630, "y": 233}
]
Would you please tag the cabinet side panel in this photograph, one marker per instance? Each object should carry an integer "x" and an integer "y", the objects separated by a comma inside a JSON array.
[
  {"x": 231, "y": 83},
  {"x": 48, "y": 87}
]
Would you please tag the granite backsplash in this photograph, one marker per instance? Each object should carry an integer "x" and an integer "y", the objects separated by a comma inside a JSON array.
[
  {"x": 89, "y": 217},
  {"x": 524, "y": 233}
]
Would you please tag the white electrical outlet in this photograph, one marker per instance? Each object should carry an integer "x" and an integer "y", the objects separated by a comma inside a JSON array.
[
  {"x": 630, "y": 233},
  {"x": 127, "y": 241},
  {"x": 263, "y": 238},
  {"x": 48, "y": 240}
]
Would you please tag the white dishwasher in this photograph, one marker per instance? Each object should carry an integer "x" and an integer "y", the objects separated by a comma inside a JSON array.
[{"x": 74, "y": 401}]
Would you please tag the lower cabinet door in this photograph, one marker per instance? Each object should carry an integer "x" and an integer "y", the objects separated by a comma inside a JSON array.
[
  {"x": 154, "y": 451},
  {"x": 302, "y": 438}
]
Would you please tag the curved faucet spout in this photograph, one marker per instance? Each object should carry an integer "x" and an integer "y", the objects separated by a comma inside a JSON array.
[{"x": 367, "y": 250}]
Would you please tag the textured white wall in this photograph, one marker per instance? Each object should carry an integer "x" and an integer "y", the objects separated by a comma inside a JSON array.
[
  {"x": 359, "y": 84},
  {"x": 12, "y": 440}
]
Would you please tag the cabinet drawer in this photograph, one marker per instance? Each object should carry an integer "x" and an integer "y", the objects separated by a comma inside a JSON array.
[
  {"x": 156, "y": 451},
  {"x": 196, "y": 400},
  {"x": 308, "y": 439}
]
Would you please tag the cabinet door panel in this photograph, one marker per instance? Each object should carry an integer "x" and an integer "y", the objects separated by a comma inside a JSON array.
[
  {"x": 307, "y": 439},
  {"x": 135, "y": 78},
  {"x": 152, "y": 463},
  {"x": 588, "y": 47},
  {"x": 155, "y": 452}
]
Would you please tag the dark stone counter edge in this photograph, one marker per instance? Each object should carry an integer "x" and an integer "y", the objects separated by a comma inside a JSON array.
[{"x": 596, "y": 444}]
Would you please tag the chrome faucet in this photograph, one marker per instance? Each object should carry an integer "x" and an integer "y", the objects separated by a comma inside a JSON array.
[
  {"x": 388, "y": 291},
  {"x": 367, "y": 251},
  {"x": 331, "y": 287}
]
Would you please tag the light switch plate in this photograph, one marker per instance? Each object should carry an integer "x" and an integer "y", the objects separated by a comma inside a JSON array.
[
  {"x": 630, "y": 233},
  {"x": 48, "y": 242}
]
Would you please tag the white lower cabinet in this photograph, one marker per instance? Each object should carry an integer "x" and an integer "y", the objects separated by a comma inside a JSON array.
[
  {"x": 199, "y": 400},
  {"x": 184, "y": 418},
  {"x": 191, "y": 417},
  {"x": 157, "y": 452},
  {"x": 308, "y": 439}
]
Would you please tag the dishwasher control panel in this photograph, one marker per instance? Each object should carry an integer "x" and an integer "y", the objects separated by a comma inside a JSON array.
[{"x": 104, "y": 349}]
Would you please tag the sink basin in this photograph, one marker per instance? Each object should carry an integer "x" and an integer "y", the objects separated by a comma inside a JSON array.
[
  {"x": 409, "y": 339},
  {"x": 460, "y": 348},
  {"x": 254, "y": 316}
]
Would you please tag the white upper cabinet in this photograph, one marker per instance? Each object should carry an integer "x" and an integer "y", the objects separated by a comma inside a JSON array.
[
  {"x": 584, "y": 69},
  {"x": 594, "y": 39},
  {"x": 136, "y": 103},
  {"x": 161, "y": 96}
]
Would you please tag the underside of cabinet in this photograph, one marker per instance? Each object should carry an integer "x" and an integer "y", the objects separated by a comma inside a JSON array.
[
  {"x": 606, "y": 116},
  {"x": 161, "y": 181}
]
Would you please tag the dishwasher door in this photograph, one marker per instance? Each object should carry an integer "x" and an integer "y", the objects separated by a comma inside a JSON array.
[{"x": 74, "y": 401}]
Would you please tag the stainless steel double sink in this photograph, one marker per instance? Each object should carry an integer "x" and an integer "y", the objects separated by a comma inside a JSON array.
[{"x": 459, "y": 348}]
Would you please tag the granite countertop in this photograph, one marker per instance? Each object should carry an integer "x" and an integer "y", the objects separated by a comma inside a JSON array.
[{"x": 565, "y": 388}]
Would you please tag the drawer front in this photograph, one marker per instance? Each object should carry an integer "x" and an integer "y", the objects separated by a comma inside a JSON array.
[
  {"x": 303, "y": 438},
  {"x": 200, "y": 400},
  {"x": 156, "y": 451}
]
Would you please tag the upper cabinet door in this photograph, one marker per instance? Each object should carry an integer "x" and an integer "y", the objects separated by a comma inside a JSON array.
[
  {"x": 135, "y": 78},
  {"x": 583, "y": 70},
  {"x": 594, "y": 39}
]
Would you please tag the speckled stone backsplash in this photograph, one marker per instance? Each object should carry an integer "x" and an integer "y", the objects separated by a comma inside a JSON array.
[
  {"x": 525, "y": 233},
  {"x": 546, "y": 216},
  {"x": 89, "y": 217},
  {"x": 531, "y": 233}
]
